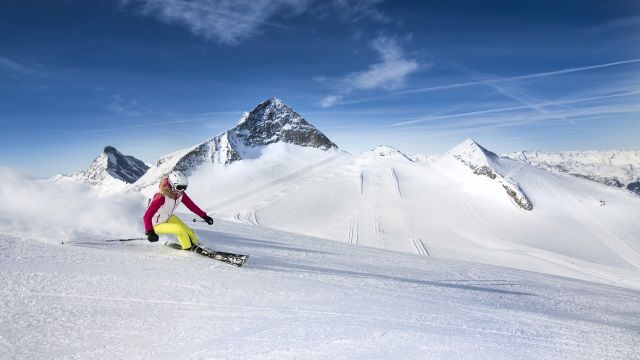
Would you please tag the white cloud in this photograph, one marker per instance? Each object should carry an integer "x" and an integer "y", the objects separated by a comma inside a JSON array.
[
  {"x": 330, "y": 100},
  {"x": 388, "y": 74},
  {"x": 232, "y": 21},
  {"x": 116, "y": 216}
]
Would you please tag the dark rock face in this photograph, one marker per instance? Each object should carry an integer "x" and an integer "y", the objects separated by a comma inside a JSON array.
[
  {"x": 612, "y": 182},
  {"x": 634, "y": 187},
  {"x": 124, "y": 167},
  {"x": 484, "y": 170},
  {"x": 273, "y": 121},
  {"x": 112, "y": 163}
]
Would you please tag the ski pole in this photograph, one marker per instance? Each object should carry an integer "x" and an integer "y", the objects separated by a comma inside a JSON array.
[{"x": 101, "y": 241}]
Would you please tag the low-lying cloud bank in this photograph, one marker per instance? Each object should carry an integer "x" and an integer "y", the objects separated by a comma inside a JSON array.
[{"x": 55, "y": 211}]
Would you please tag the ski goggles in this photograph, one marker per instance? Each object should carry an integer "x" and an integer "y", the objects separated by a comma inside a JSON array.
[{"x": 181, "y": 187}]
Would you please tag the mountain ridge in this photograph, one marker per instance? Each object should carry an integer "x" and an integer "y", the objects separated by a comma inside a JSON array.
[
  {"x": 486, "y": 163},
  {"x": 112, "y": 165},
  {"x": 269, "y": 122}
]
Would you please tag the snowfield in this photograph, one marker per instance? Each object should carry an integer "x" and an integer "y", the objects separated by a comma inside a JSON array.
[
  {"x": 297, "y": 298},
  {"x": 382, "y": 199},
  {"x": 352, "y": 256}
]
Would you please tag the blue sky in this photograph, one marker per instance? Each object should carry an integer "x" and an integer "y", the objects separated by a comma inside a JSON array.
[{"x": 153, "y": 76}]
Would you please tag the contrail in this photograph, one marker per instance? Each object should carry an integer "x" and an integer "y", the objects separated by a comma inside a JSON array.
[
  {"x": 523, "y": 101},
  {"x": 512, "y": 108},
  {"x": 519, "y": 77}
]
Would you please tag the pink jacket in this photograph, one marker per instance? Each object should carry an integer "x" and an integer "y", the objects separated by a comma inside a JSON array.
[{"x": 163, "y": 204}]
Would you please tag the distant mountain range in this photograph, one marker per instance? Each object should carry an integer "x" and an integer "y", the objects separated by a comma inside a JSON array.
[
  {"x": 614, "y": 168},
  {"x": 272, "y": 121},
  {"x": 276, "y": 170}
]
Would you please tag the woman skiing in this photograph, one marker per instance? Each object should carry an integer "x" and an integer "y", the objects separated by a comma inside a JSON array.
[{"x": 159, "y": 218}]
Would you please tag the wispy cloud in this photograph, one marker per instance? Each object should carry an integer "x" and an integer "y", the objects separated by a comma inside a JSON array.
[
  {"x": 126, "y": 107},
  {"x": 354, "y": 9},
  {"x": 487, "y": 82},
  {"x": 329, "y": 101},
  {"x": 388, "y": 74},
  {"x": 562, "y": 113},
  {"x": 206, "y": 120},
  {"x": 512, "y": 92},
  {"x": 617, "y": 24},
  {"x": 14, "y": 67},
  {"x": 466, "y": 127},
  {"x": 518, "y": 77},
  {"x": 231, "y": 22}
]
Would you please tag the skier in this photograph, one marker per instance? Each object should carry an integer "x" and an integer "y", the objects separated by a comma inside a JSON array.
[{"x": 159, "y": 218}]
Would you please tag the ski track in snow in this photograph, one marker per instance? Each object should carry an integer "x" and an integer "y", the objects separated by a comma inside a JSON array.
[
  {"x": 396, "y": 183},
  {"x": 297, "y": 297},
  {"x": 248, "y": 217},
  {"x": 422, "y": 250},
  {"x": 353, "y": 233}
]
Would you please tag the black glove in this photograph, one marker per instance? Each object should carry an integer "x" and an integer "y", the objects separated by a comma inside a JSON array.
[
  {"x": 152, "y": 236},
  {"x": 208, "y": 219}
]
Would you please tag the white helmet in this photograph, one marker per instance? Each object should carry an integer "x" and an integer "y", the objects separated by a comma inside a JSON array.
[{"x": 178, "y": 181}]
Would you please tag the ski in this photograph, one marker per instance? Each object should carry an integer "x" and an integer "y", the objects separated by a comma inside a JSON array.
[{"x": 229, "y": 258}]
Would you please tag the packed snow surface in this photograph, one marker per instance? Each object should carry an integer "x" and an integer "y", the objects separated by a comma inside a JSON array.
[{"x": 298, "y": 297}]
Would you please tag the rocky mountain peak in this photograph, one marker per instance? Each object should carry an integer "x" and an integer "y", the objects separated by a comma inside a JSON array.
[
  {"x": 273, "y": 121},
  {"x": 486, "y": 163},
  {"x": 113, "y": 164}
]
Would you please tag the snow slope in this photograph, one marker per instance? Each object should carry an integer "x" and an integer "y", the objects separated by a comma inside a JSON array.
[
  {"x": 442, "y": 209},
  {"x": 305, "y": 296},
  {"x": 298, "y": 297}
]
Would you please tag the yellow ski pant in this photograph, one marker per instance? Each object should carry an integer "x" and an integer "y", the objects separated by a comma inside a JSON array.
[{"x": 175, "y": 226}]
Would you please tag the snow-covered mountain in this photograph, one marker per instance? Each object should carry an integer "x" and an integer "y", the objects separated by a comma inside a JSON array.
[
  {"x": 486, "y": 163},
  {"x": 390, "y": 152},
  {"x": 110, "y": 170},
  {"x": 437, "y": 275},
  {"x": 468, "y": 204},
  {"x": 270, "y": 122},
  {"x": 613, "y": 168}
]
